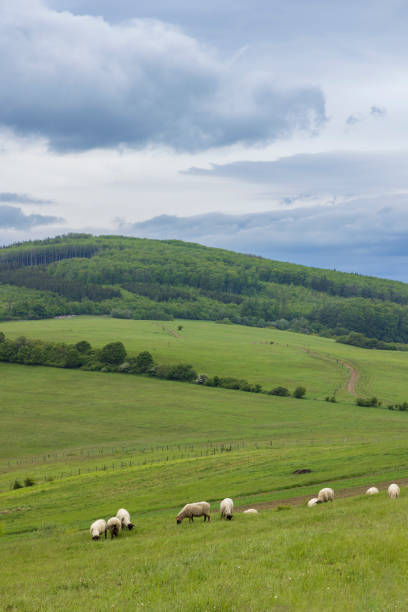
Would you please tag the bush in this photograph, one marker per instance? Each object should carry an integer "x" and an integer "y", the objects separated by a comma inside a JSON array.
[
  {"x": 361, "y": 401},
  {"x": 281, "y": 391},
  {"x": 73, "y": 359},
  {"x": 331, "y": 399},
  {"x": 299, "y": 392},
  {"x": 202, "y": 379},
  {"x": 17, "y": 485},
  {"x": 28, "y": 482},
  {"x": 113, "y": 353},
  {"x": 142, "y": 363},
  {"x": 83, "y": 346},
  {"x": 182, "y": 371}
]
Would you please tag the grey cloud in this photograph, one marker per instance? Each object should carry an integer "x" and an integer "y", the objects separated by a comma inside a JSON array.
[
  {"x": 365, "y": 236},
  {"x": 14, "y": 218},
  {"x": 21, "y": 198},
  {"x": 336, "y": 173},
  {"x": 353, "y": 119},
  {"x": 82, "y": 83},
  {"x": 378, "y": 111}
]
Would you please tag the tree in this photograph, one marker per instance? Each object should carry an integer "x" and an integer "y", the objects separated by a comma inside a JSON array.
[
  {"x": 113, "y": 353},
  {"x": 83, "y": 346},
  {"x": 143, "y": 362},
  {"x": 299, "y": 392}
]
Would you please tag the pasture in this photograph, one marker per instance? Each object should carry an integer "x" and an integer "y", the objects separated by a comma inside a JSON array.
[
  {"x": 261, "y": 355},
  {"x": 94, "y": 442}
]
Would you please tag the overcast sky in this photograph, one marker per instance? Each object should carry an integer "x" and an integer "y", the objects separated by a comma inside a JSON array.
[{"x": 276, "y": 127}]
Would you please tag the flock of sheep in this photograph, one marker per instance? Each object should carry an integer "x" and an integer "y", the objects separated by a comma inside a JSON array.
[
  {"x": 113, "y": 525},
  {"x": 327, "y": 494},
  {"x": 197, "y": 509}
]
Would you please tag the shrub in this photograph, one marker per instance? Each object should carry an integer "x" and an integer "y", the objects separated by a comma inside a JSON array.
[
  {"x": 299, "y": 392},
  {"x": 17, "y": 485},
  {"x": 361, "y": 401},
  {"x": 331, "y": 399},
  {"x": 2, "y": 337},
  {"x": 182, "y": 371},
  {"x": 113, "y": 353},
  {"x": 142, "y": 363},
  {"x": 281, "y": 391},
  {"x": 202, "y": 379},
  {"x": 28, "y": 482},
  {"x": 73, "y": 359},
  {"x": 83, "y": 346}
]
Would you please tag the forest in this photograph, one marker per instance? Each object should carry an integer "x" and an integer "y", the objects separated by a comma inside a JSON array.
[{"x": 150, "y": 279}]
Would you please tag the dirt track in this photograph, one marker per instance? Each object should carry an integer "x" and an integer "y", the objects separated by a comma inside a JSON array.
[{"x": 301, "y": 500}]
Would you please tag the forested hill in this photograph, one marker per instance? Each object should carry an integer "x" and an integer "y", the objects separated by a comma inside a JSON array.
[{"x": 152, "y": 279}]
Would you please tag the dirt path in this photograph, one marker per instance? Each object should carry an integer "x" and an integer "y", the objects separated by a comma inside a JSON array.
[
  {"x": 351, "y": 385},
  {"x": 352, "y": 381},
  {"x": 301, "y": 500}
]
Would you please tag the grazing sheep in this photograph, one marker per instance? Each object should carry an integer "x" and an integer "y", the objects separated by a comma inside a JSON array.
[
  {"x": 372, "y": 491},
  {"x": 312, "y": 502},
  {"x": 97, "y": 529},
  {"x": 325, "y": 495},
  {"x": 195, "y": 509},
  {"x": 124, "y": 517},
  {"x": 113, "y": 526},
  {"x": 393, "y": 491},
  {"x": 251, "y": 511},
  {"x": 227, "y": 508}
]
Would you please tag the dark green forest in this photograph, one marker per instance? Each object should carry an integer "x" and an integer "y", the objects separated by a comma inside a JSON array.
[{"x": 164, "y": 279}]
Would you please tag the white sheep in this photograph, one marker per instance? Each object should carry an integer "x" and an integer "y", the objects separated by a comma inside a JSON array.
[
  {"x": 124, "y": 517},
  {"x": 325, "y": 495},
  {"x": 113, "y": 526},
  {"x": 194, "y": 510},
  {"x": 372, "y": 491},
  {"x": 393, "y": 491},
  {"x": 97, "y": 529},
  {"x": 251, "y": 511},
  {"x": 227, "y": 508},
  {"x": 312, "y": 502}
]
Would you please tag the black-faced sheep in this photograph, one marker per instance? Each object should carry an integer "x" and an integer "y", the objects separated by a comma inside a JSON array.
[
  {"x": 194, "y": 510},
  {"x": 325, "y": 495},
  {"x": 393, "y": 491},
  {"x": 227, "y": 508},
  {"x": 97, "y": 529},
  {"x": 113, "y": 526},
  {"x": 124, "y": 517}
]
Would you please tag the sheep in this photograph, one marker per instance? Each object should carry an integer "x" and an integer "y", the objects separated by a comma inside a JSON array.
[
  {"x": 226, "y": 508},
  {"x": 251, "y": 511},
  {"x": 97, "y": 529},
  {"x": 124, "y": 517},
  {"x": 113, "y": 526},
  {"x": 195, "y": 509},
  {"x": 325, "y": 495},
  {"x": 393, "y": 491},
  {"x": 372, "y": 491},
  {"x": 312, "y": 502}
]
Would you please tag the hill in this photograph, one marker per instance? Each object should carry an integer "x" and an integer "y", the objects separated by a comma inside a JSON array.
[{"x": 161, "y": 280}]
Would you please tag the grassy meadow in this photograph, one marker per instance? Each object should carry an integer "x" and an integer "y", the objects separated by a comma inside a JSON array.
[
  {"x": 261, "y": 355},
  {"x": 94, "y": 442}
]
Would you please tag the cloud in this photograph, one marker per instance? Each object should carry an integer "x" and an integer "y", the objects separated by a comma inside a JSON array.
[
  {"x": 12, "y": 217},
  {"x": 82, "y": 83},
  {"x": 378, "y": 111},
  {"x": 338, "y": 173},
  {"x": 21, "y": 198},
  {"x": 365, "y": 236}
]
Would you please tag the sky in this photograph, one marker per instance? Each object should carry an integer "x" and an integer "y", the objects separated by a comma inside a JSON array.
[{"x": 271, "y": 127}]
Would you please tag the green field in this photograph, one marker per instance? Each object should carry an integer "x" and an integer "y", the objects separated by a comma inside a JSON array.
[
  {"x": 94, "y": 442},
  {"x": 266, "y": 356}
]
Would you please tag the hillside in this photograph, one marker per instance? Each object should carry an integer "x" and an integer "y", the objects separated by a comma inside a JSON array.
[{"x": 149, "y": 279}]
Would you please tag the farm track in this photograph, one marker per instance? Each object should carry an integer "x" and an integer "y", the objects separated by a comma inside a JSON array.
[
  {"x": 352, "y": 381},
  {"x": 301, "y": 500}
]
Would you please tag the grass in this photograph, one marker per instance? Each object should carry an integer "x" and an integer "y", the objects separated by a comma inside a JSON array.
[
  {"x": 95, "y": 442},
  {"x": 266, "y": 356}
]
